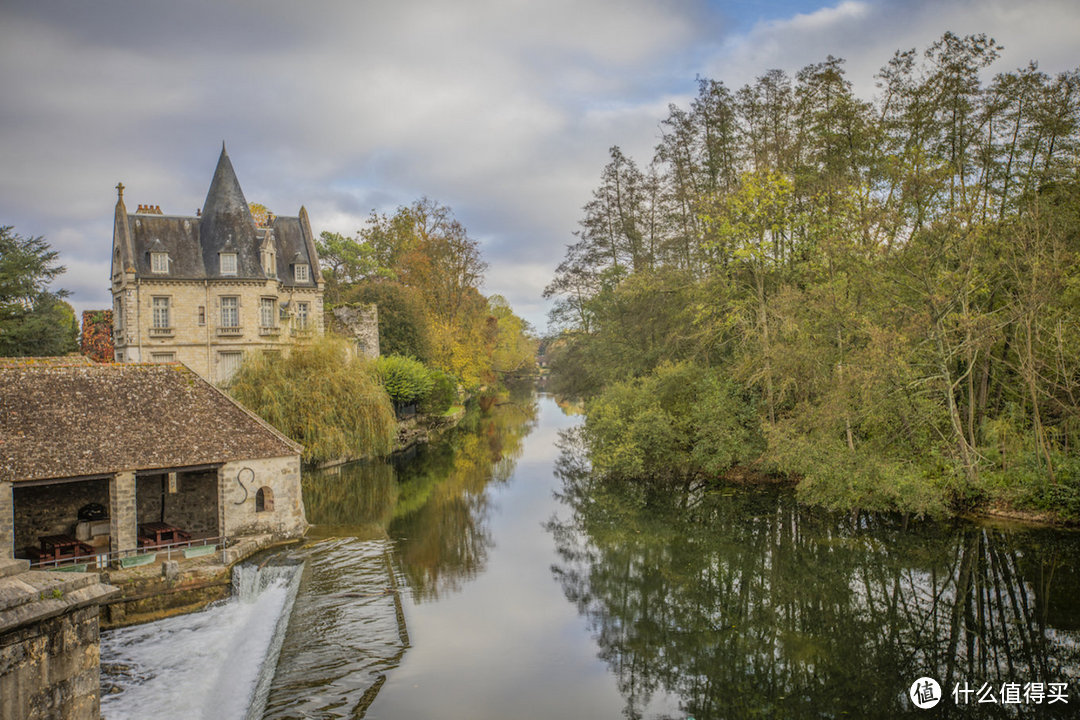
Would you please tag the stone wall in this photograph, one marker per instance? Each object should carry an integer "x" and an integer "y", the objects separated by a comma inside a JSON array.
[
  {"x": 52, "y": 509},
  {"x": 239, "y": 483},
  {"x": 361, "y": 323},
  {"x": 194, "y": 507},
  {"x": 199, "y": 346},
  {"x": 49, "y": 655},
  {"x": 149, "y": 596},
  {"x": 52, "y": 669}
]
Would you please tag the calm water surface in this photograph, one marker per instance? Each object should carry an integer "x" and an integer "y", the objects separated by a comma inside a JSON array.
[{"x": 487, "y": 577}]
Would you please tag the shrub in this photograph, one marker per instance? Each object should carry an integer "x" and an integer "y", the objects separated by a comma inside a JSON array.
[
  {"x": 320, "y": 398},
  {"x": 405, "y": 380},
  {"x": 443, "y": 393},
  {"x": 680, "y": 420}
]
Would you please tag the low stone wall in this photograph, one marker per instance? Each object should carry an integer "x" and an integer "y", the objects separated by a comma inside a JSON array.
[
  {"x": 151, "y": 595},
  {"x": 49, "y": 654}
]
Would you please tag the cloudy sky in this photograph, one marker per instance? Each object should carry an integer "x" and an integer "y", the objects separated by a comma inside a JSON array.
[{"x": 502, "y": 109}]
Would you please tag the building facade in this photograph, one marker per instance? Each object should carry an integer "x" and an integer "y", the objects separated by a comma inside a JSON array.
[{"x": 205, "y": 289}]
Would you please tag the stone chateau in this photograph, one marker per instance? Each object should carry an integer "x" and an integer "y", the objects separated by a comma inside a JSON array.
[{"x": 205, "y": 289}]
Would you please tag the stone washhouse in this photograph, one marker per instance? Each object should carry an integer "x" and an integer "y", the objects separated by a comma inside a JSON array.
[{"x": 96, "y": 453}]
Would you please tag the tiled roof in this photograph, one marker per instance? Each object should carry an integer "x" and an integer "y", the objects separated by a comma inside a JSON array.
[
  {"x": 59, "y": 421},
  {"x": 55, "y": 361}
]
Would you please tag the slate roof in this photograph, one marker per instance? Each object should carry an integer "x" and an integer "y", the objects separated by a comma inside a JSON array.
[
  {"x": 226, "y": 225},
  {"x": 61, "y": 421}
]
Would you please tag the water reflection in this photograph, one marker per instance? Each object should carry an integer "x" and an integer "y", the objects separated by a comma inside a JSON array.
[
  {"x": 433, "y": 502},
  {"x": 743, "y": 604}
]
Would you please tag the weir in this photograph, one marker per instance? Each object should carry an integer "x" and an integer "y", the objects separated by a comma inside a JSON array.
[{"x": 217, "y": 663}]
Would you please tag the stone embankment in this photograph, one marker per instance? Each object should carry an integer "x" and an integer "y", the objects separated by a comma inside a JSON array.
[{"x": 49, "y": 661}]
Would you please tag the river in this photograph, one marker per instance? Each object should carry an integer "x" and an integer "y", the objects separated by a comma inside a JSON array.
[{"x": 488, "y": 576}]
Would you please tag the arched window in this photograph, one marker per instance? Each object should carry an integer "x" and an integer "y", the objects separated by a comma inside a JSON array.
[{"x": 264, "y": 500}]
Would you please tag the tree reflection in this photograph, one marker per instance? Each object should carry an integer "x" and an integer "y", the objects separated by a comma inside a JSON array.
[
  {"x": 743, "y": 604},
  {"x": 434, "y": 502}
]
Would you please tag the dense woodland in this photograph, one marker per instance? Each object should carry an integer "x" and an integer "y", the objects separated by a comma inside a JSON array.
[
  {"x": 880, "y": 298},
  {"x": 440, "y": 338}
]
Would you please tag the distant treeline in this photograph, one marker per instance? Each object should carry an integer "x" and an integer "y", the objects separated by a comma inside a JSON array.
[{"x": 891, "y": 286}]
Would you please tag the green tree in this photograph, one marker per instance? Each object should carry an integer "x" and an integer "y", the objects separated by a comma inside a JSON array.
[
  {"x": 34, "y": 321},
  {"x": 404, "y": 379},
  {"x": 403, "y": 322},
  {"x": 895, "y": 281},
  {"x": 679, "y": 422},
  {"x": 515, "y": 349},
  {"x": 345, "y": 262}
]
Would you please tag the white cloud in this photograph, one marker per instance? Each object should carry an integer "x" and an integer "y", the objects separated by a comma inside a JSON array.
[
  {"x": 867, "y": 33},
  {"x": 504, "y": 111},
  {"x": 342, "y": 107}
]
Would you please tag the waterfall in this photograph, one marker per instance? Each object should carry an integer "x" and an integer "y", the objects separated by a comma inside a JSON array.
[
  {"x": 242, "y": 588},
  {"x": 214, "y": 664}
]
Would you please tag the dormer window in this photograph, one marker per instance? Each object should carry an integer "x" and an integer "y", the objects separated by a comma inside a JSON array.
[
  {"x": 228, "y": 263},
  {"x": 300, "y": 272},
  {"x": 270, "y": 264},
  {"x": 159, "y": 262}
]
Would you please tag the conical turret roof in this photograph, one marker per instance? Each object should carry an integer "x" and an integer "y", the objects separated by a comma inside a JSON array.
[{"x": 226, "y": 217}]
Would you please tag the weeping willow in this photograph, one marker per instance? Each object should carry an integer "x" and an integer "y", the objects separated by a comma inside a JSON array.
[{"x": 320, "y": 397}]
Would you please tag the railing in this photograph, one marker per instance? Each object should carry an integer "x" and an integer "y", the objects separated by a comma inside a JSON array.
[
  {"x": 135, "y": 557},
  {"x": 161, "y": 332},
  {"x": 230, "y": 331},
  {"x": 269, "y": 330}
]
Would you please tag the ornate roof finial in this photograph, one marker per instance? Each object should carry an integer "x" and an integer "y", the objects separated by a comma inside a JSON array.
[{"x": 120, "y": 191}]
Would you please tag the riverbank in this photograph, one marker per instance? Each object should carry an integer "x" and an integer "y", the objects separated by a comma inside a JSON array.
[
  {"x": 987, "y": 509},
  {"x": 685, "y": 422},
  {"x": 412, "y": 431}
]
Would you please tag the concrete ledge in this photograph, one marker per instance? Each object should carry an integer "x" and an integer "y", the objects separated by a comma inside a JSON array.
[
  {"x": 9, "y": 567},
  {"x": 37, "y": 595}
]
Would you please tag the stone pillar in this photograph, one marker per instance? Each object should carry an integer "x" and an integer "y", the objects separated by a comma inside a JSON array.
[
  {"x": 7, "y": 520},
  {"x": 123, "y": 530},
  {"x": 223, "y": 530}
]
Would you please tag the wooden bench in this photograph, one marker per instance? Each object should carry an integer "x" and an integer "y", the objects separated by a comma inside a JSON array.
[
  {"x": 156, "y": 534},
  {"x": 55, "y": 548}
]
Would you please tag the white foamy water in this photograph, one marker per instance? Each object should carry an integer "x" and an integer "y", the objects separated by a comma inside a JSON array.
[{"x": 211, "y": 664}]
